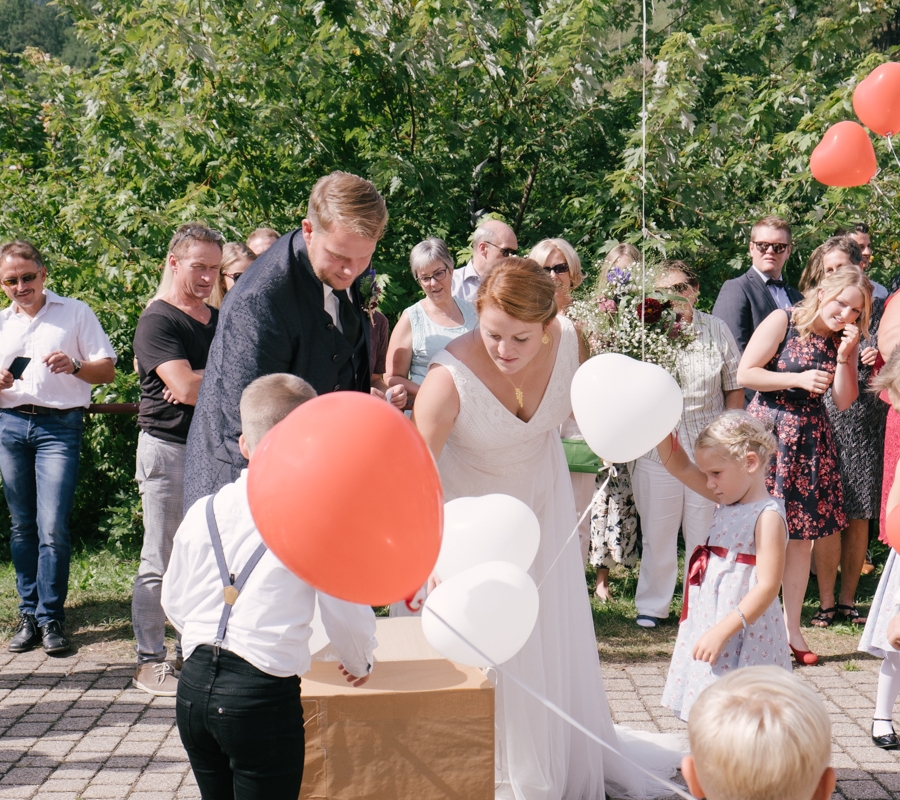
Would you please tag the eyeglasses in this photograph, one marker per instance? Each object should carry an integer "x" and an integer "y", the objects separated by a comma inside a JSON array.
[
  {"x": 27, "y": 278},
  {"x": 559, "y": 269},
  {"x": 678, "y": 288},
  {"x": 437, "y": 276},
  {"x": 233, "y": 275},
  {"x": 505, "y": 251},
  {"x": 777, "y": 247}
]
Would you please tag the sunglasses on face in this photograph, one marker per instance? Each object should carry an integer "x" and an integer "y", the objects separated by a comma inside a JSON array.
[
  {"x": 506, "y": 252},
  {"x": 233, "y": 275},
  {"x": 559, "y": 269},
  {"x": 777, "y": 247},
  {"x": 27, "y": 278},
  {"x": 437, "y": 276}
]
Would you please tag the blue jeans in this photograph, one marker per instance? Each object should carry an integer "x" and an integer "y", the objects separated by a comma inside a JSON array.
[
  {"x": 242, "y": 729},
  {"x": 39, "y": 458}
]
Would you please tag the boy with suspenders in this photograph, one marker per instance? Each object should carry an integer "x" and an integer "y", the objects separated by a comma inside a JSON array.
[{"x": 244, "y": 623}]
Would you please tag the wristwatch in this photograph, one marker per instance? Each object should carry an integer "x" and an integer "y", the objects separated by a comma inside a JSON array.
[{"x": 76, "y": 366}]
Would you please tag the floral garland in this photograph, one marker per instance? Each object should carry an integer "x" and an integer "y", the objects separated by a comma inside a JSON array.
[{"x": 612, "y": 316}]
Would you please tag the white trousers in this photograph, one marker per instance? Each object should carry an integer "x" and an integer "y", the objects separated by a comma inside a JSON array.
[{"x": 665, "y": 504}]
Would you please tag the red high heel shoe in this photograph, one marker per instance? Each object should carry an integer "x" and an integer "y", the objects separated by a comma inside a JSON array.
[{"x": 806, "y": 658}]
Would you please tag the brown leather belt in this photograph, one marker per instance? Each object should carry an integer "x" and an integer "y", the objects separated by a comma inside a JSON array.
[{"x": 42, "y": 411}]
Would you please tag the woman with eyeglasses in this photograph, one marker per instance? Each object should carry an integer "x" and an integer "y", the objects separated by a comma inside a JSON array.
[
  {"x": 431, "y": 324},
  {"x": 236, "y": 257}
]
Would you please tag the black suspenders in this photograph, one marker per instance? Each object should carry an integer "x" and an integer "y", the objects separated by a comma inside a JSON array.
[{"x": 231, "y": 586}]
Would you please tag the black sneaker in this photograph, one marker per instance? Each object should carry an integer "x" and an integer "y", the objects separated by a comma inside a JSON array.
[
  {"x": 54, "y": 640},
  {"x": 27, "y": 635}
]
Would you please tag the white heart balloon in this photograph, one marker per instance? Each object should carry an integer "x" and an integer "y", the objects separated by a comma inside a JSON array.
[
  {"x": 494, "y": 606},
  {"x": 494, "y": 527},
  {"x": 624, "y": 407}
]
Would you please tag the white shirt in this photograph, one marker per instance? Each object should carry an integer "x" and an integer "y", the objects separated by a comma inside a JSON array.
[
  {"x": 879, "y": 291},
  {"x": 781, "y": 297},
  {"x": 269, "y": 623},
  {"x": 465, "y": 283},
  {"x": 62, "y": 324}
]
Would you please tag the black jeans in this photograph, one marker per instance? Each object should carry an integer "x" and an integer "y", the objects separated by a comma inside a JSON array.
[{"x": 242, "y": 729}]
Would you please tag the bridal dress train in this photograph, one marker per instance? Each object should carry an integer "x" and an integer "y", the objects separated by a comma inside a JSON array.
[{"x": 540, "y": 756}]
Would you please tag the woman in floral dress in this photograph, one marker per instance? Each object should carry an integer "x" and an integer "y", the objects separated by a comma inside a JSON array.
[{"x": 791, "y": 360}]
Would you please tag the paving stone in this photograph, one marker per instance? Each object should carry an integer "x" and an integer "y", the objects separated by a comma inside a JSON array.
[
  {"x": 863, "y": 790},
  {"x": 120, "y": 777},
  {"x": 25, "y": 776}
]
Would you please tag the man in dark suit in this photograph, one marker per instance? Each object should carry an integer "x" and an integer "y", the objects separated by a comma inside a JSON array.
[
  {"x": 298, "y": 311},
  {"x": 746, "y": 301}
]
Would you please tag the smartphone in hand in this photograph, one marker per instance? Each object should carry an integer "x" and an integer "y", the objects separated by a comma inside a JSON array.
[{"x": 18, "y": 366}]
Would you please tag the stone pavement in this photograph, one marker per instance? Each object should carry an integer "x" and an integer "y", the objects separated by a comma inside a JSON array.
[{"x": 74, "y": 728}]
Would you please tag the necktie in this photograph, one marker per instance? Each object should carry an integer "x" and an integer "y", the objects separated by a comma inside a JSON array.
[
  {"x": 333, "y": 308},
  {"x": 773, "y": 282},
  {"x": 350, "y": 322}
]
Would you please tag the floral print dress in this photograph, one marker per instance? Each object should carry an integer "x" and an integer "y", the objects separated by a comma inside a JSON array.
[
  {"x": 805, "y": 472},
  {"x": 724, "y": 585}
]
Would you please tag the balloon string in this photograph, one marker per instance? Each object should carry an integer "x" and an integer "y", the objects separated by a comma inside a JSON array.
[
  {"x": 673, "y": 787},
  {"x": 891, "y": 148},
  {"x": 577, "y": 526},
  {"x": 878, "y": 189}
]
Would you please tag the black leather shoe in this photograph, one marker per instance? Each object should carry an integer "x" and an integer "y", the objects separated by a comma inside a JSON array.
[
  {"x": 889, "y": 741},
  {"x": 54, "y": 640},
  {"x": 27, "y": 635}
]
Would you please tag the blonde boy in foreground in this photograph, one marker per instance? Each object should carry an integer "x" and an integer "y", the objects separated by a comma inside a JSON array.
[
  {"x": 238, "y": 702},
  {"x": 759, "y": 734}
]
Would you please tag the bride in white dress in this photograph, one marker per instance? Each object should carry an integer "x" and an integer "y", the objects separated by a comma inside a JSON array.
[{"x": 490, "y": 409}]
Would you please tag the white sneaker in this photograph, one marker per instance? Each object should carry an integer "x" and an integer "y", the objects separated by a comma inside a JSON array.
[{"x": 157, "y": 678}]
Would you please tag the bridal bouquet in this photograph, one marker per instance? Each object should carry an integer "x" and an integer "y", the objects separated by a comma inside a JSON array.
[{"x": 621, "y": 304}]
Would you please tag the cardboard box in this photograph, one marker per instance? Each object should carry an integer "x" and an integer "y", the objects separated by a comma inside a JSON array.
[{"x": 422, "y": 727}]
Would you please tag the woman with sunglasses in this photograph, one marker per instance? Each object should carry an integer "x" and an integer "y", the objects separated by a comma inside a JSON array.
[
  {"x": 236, "y": 257},
  {"x": 431, "y": 324}
]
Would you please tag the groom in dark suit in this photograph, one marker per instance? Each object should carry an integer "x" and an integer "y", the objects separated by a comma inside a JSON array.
[
  {"x": 743, "y": 303},
  {"x": 297, "y": 311}
]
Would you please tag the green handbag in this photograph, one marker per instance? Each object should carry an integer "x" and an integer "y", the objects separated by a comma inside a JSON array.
[{"x": 580, "y": 457}]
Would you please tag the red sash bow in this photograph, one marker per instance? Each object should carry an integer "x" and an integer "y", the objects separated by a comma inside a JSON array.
[{"x": 696, "y": 569}]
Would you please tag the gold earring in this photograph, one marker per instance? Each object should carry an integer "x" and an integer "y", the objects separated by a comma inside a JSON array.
[{"x": 546, "y": 338}]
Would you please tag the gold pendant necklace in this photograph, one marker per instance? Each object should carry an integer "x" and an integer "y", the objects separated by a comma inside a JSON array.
[{"x": 520, "y": 395}]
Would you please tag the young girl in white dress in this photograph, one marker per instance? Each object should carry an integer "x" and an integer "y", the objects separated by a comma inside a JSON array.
[
  {"x": 731, "y": 616},
  {"x": 881, "y": 637}
]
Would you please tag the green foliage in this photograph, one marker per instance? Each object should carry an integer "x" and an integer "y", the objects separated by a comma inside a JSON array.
[{"x": 229, "y": 110}]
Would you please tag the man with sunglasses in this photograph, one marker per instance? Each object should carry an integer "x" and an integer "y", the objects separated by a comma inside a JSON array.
[
  {"x": 171, "y": 344},
  {"x": 41, "y": 419},
  {"x": 492, "y": 241},
  {"x": 744, "y": 302}
]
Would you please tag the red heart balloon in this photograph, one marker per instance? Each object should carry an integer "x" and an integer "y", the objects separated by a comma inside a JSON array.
[
  {"x": 844, "y": 157},
  {"x": 345, "y": 493},
  {"x": 892, "y": 534},
  {"x": 876, "y": 99}
]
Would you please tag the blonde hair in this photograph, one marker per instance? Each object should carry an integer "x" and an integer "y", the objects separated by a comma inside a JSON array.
[
  {"x": 758, "y": 734},
  {"x": 830, "y": 287},
  {"x": 543, "y": 249},
  {"x": 232, "y": 252},
  {"x": 622, "y": 255},
  {"x": 269, "y": 235},
  {"x": 267, "y": 401},
  {"x": 350, "y": 202},
  {"x": 777, "y": 223},
  {"x": 520, "y": 288},
  {"x": 737, "y": 433},
  {"x": 888, "y": 377}
]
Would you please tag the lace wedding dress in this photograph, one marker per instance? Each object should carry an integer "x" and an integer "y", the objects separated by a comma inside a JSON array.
[{"x": 539, "y": 755}]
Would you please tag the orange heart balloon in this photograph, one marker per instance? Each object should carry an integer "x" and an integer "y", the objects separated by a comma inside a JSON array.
[
  {"x": 892, "y": 534},
  {"x": 844, "y": 157},
  {"x": 876, "y": 99},
  {"x": 345, "y": 493}
]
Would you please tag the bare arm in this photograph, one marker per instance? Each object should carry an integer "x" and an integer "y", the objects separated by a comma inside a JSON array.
[
  {"x": 845, "y": 388},
  {"x": 734, "y": 399},
  {"x": 399, "y": 357},
  {"x": 182, "y": 382},
  {"x": 889, "y": 330},
  {"x": 771, "y": 536},
  {"x": 676, "y": 461},
  {"x": 761, "y": 348},
  {"x": 436, "y": 409},
  {"x": 103, "y": 370}
]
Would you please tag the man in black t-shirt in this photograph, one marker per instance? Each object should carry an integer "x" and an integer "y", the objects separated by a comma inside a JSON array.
[{"x": 171, "y": 345}]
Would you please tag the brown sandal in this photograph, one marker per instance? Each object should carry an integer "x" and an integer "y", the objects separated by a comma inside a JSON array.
[
  {"x": 850, "y": 614},
  {"x": 824, "y": 617}
]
